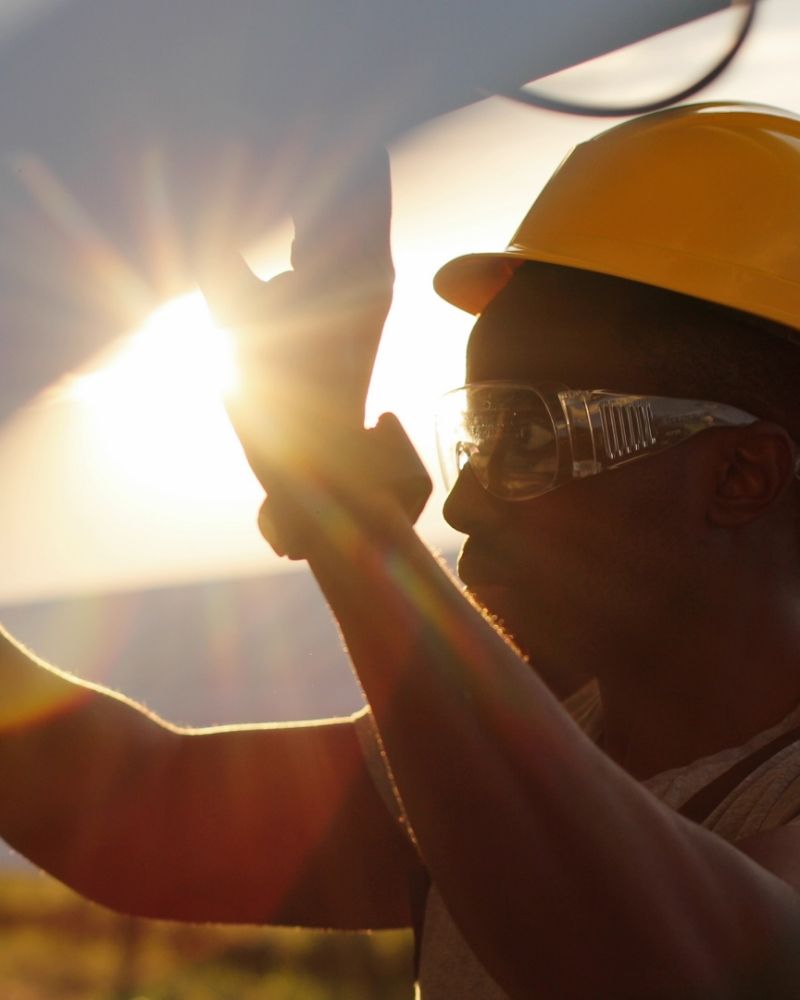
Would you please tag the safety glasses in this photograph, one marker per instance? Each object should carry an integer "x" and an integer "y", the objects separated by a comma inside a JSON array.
[{"x": 522, "y": 440}]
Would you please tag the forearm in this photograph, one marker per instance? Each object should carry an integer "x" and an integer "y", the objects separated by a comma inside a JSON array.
[
  {"x": 531, "y": 833},
  {"x": 240, "y": 824}
]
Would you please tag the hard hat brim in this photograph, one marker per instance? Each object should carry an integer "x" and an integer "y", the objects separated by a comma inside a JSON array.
[{"x": 472, "y": 281}]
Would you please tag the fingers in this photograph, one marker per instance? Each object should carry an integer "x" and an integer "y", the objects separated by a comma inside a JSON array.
[
  {"x": 228, "y": 284},
  {"x": 316, "y": 328},
  {"x": 342, "y": 238},
  {"x": 342, "y": 229},
  {"x": 342, "y": 251}
]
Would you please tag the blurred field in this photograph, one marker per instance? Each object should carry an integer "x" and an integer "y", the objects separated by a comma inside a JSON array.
[{"x": 56, "y": 946}]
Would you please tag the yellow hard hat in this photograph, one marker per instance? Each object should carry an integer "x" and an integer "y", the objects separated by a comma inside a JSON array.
[{"x": 701, "y": 199}]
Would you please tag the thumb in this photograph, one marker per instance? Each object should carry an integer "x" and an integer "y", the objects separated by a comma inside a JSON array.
[{"x": 229, "y": 286}]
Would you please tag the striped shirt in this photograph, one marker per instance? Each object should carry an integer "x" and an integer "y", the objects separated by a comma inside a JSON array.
[{"x": 768, "y": 797}]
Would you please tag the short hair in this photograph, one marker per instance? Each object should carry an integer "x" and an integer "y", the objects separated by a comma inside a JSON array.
[{"x": 701, "y": 350}]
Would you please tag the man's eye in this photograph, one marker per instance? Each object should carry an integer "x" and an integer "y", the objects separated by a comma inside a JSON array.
[{"x": 531, "y": 437}]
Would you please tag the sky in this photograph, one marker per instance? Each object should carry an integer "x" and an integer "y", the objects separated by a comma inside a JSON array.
[{"x": 125, "y": 473}]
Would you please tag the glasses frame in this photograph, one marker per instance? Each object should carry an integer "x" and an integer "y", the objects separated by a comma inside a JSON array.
[{"x": 593, "y": 430}]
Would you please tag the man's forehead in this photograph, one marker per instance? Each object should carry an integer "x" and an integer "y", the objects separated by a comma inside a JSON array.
[{"x": 551, "y": 324}]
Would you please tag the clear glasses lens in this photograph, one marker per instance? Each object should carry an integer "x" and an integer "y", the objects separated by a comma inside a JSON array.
[{"x": 505, "y": 434}]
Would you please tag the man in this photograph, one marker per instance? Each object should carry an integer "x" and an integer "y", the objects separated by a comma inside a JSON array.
[{"x": 645, "y": 537}]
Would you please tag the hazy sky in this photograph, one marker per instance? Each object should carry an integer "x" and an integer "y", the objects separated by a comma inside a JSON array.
[{"x": 136, "y": 484}]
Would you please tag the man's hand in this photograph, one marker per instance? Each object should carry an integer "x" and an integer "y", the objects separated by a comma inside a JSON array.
[{"x": 307, "y": 339}]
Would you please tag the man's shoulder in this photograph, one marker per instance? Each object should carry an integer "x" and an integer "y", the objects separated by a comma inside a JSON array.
[{"x": 778, "y": 851}]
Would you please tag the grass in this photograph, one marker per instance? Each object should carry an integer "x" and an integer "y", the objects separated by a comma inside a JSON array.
[{"x": 57, "y": 946}]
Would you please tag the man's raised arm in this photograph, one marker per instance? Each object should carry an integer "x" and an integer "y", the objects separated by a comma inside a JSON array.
[
  {"x": 565, "y": 876},
  {"x": 269, "y": 825}
]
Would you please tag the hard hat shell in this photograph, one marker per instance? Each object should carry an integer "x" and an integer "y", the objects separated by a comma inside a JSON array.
[{"x": 702, "y": 199}]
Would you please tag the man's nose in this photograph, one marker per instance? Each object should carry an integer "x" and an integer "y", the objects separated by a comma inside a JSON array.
[{"x": 468, "y": 505}]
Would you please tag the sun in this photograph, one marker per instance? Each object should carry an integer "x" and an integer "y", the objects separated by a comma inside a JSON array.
[
  {"x": 127, "y": 473},
  {"x": 178, "y": 352},
  {"x": 155, "y": 403}
]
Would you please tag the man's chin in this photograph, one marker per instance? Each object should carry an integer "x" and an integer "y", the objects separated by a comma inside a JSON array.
[
  {"x": 561, "y": 670},
  {"x": 491, "y": 596},
  {"x": 499, "y": 602}
]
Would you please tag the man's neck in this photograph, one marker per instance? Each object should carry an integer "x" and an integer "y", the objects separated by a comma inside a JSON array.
[{"x": 706, "y": 693}]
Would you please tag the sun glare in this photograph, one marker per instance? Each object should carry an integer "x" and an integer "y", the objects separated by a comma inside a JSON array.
[
  {"x": 155, "y": 404},
  {"x": 178, "y": 352},
  {"x": 151, "y": 483}
]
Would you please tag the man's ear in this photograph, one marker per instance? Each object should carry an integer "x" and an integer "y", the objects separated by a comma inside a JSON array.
[{"x": 757, "y": 465}]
